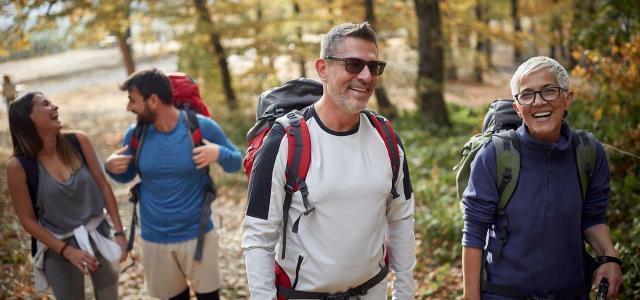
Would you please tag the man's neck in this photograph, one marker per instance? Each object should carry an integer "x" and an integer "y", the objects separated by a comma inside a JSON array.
[
  {"x": 334, "y": 117},
  {"x": 167, "y": 118}
]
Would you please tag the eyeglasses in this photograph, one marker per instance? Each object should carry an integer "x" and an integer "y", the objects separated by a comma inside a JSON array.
[
  {"x": 355, "y": 65},
  {"x": 550, "y": 93}
]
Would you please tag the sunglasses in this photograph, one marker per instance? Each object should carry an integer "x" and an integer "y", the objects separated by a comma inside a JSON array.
[{"x": 355, "y": 65}]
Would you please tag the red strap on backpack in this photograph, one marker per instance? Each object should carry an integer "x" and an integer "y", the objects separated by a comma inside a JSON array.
[
  {"x": 385, "y": 130},
  {"x": 305, "y": 155}
]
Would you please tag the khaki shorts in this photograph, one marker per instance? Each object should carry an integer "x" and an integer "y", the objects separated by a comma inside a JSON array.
[{"x": 168, "y": 267}]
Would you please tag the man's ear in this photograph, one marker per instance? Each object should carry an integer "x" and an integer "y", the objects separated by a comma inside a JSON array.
[
  {"x": 321, "y": 68},
  {"x": 153, "y": 100}
]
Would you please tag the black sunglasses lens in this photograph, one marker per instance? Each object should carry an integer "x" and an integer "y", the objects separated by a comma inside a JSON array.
[
  {"x": 354, "y": 65},
  {"x": 375, "y": 67}
]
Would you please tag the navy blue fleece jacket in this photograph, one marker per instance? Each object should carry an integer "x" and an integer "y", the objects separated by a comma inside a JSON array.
[{"x": 546, "y": 215}]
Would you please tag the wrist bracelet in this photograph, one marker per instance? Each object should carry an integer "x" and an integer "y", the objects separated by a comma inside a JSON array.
[
  {"x": 607, "y": 259},
  {"x": 63, "y": 248},
  {"x": 119, "y": 233}
]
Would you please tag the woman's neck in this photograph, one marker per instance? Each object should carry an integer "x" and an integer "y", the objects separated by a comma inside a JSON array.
[{"x": 49, "y": 145}]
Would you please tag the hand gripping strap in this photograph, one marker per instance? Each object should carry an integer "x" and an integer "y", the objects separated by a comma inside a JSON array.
[{"x": 385, "y": 130}]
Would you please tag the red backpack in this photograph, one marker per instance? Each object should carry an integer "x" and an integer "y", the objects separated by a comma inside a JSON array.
[
  {"x": 282, "y": 105},
  {"x": 186, "y": 94}
]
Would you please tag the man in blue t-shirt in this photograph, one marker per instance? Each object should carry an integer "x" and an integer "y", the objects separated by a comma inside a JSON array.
[{"x": 173, "y": 183}]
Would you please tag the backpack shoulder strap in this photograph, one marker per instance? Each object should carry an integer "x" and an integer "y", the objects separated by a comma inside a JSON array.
[
  {"x": 298, "y": 162},
  {"x": 73, "y": 139},
  {"x": 385, "y": 130},
  {"x": 194, "y": 127},
  {"x": 136, "y": 141},
  {"x": 195, "y": 134},
  {"x": 508, "y": 171},
  {"x": 584, "y": 144},
  {"x": 507, "y": 165},
  {"x": 30, "y": 166}
]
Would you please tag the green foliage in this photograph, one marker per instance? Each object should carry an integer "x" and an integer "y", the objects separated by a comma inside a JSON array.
[
  {"x": 608, "y": 104},
  {"x": 432, "y": 153},
  {"x": 612, "y": 18}
]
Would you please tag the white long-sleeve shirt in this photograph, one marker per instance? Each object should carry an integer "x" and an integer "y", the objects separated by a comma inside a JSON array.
[{"x": 341, "y": 244}]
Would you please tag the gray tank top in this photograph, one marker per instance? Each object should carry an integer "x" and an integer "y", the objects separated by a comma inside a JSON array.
[{"x": 63, "y": 206}]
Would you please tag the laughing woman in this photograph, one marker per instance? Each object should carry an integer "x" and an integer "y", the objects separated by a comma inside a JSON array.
[{"x": 59, "y": 194}]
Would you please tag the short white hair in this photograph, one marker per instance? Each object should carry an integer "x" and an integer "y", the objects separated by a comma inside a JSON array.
[{"x": 538, "y": 63}]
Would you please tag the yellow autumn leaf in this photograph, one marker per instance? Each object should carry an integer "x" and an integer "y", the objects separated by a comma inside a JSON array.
[
  {"x": 576, "y": 54},
  {"x": 614, "y": 49},
  {"x": 597, "y": 115},
  {"x": 578, "y": 71}
]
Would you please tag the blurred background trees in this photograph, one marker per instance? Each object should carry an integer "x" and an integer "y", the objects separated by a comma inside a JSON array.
[{"x": 237, "y": 49}]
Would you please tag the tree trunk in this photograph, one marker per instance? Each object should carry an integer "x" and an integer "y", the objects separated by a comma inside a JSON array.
[
  {"x": 517, "y": 28},
  {"x": 124, "y": 40},
  {"x": 214, "y": 38},
  {"x": 126, "y": 50},
  {"x": 301, "y": 60},
  {"x": 488, "y": 47},
  {"x": 583, "y": 11},
  {"x": 451, "y": 70},
  {"x": 488, "y": 53},
  {"x": 480, "y": 44},
  {"x": 384, "y": 105},
  {"x": 430, "y": 82}
]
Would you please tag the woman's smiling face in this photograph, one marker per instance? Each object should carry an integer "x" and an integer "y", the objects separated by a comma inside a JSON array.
[{"x": 543, "y": 118}]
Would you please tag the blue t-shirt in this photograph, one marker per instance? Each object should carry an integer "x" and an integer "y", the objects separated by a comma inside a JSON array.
[
  {"x": 171, "y": 190},
  {"x": 546, "y": 215}
]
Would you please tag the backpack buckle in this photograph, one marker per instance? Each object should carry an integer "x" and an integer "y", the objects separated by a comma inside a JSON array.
[
  {"x": 302, "y": 187},
  {"x": 288, "y": 189},
  {"x": 293, "y": 119}
]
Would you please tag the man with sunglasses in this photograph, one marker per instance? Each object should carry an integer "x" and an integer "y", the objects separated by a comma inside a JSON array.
[
  {"x": 547, "y": 217},
  {"x": 337, "y": 249}
]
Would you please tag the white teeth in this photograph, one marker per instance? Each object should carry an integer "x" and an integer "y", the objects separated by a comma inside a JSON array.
[
  {"x": 542, "y": 114},
  {"x": 359, "y": 90}
]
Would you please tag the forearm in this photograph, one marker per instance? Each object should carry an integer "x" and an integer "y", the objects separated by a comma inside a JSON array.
[
  {"x": 230, "y": 159},
  {"x": 41, "y": 234},
  {"x": 111, "y": 205},
  {"x": 260, "y": 266},
  {"x": 471, "y": 263},
  {"x": 402, "y": 258},
  {"x": 598, "y": 237},
  {"x": 129, "y": 175}
]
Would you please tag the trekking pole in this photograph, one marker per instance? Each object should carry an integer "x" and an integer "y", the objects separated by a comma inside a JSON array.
[{"x": 603, "y": 289}]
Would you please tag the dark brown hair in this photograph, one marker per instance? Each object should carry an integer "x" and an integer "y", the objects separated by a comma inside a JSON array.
[{"x": 26, "y": 140}]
